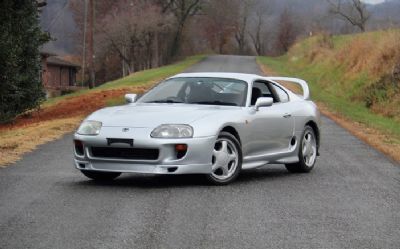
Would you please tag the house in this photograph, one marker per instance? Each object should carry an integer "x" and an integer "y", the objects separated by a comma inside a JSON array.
[{"x": 58, "y": 75}]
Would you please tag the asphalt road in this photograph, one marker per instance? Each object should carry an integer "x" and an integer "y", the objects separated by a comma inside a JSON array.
[{"x": 350, "y": 200}]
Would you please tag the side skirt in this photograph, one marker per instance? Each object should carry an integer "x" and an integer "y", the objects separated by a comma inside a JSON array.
[{"x": 252, "y": 162}]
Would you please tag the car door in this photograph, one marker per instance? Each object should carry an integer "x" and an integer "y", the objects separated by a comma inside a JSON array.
[{"x": 271, "y": 127}]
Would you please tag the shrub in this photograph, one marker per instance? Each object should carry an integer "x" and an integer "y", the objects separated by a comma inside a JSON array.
[
  {"x": 383, "y": 96},
  {"x": 20, "y": 38}
]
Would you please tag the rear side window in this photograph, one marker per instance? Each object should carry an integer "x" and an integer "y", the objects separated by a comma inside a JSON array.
[
  {"x": 263, "y": 87},
  {"x": 282, "y": 94}
]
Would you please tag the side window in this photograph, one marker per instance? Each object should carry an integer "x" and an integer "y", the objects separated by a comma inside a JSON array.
[
  {"x": 282, "y": 94},
  {"x": 260, "y": 89},
  {"x": 266, "y": 90},
  {"x": 263, "y": 87}
]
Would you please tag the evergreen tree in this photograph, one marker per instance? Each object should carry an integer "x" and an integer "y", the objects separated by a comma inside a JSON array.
[{"x": 20, "y": 38}]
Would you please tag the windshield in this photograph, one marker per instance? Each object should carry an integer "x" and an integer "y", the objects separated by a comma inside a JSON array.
[{"x": 205, "y": 91}]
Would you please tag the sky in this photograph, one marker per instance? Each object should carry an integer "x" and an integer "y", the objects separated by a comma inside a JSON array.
[{"x": 373, "y": 1}]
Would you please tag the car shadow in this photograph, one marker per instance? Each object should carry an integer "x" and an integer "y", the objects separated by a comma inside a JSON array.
[{"x": 177, "y": 181}]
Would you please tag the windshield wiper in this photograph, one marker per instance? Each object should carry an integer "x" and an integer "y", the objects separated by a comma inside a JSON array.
[
  {"x": 169, "y": 101},
  {"x": 214, "y": 103}
]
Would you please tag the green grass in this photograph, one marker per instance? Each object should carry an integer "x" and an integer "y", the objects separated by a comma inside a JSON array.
[
  {"x": 116, "y": 101},
  {"x": 137, "y": 79},
  {"x": 146, "y": 76},
  {"x": 324, "y": 82}
]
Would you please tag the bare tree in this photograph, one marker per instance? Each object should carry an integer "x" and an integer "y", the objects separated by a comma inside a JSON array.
[
  {"x": 242, "y": 22},
  {"x": 256, "y": 36},
  {"x": 352, "y": 11},
  {"x": 220, "y": 23},
  {"x": 139, "y": 33},
  {"x": 130, "y": 32},
  {"x": 287, "y": 31},
  {"x": 182, "y": 10},
  {"x": 258, "y": 26}
]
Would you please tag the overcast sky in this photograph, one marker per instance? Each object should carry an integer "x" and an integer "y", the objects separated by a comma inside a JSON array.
[{"x": 374, "y": 1}]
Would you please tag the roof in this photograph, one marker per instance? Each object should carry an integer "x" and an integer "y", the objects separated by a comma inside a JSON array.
[
  {"x": 47, "y": 52},
  {"x": 238, "y": 76},
  {"x": 60, "y": 62}
]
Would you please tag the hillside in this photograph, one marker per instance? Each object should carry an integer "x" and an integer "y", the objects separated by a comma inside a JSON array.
[{"x": 357, "y": 76}]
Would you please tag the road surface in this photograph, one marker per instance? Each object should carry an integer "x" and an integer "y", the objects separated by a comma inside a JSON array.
[{"x": 350, "y": 200}]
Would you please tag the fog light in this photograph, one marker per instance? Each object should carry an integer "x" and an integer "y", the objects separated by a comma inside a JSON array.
[
  {"x": 79, "y": 147},
  {"x": 181, "y": 147},
  {"x": 181, "y": 150}
]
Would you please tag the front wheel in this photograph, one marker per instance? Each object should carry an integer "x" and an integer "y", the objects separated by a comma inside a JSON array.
[
  {"x": 307, "y": 153},
  {"x": 100, "y": 176},
  {"x": 226, "y": 160}
]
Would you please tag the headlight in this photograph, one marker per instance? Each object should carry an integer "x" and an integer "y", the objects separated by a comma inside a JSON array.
[
  {"x": 172, "y": 131},
  {"x": 89, "y": 127}
]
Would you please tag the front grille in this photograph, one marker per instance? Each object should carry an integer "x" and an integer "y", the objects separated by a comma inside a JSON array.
[{"x": 125, "y": 153}]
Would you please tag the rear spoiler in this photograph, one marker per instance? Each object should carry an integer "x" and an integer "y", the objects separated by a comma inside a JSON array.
[{"x": 302, "y": 83}]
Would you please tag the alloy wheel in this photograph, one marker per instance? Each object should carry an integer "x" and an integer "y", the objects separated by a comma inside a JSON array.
[
  {"x": 309, "y": 148},
  {"x": 225, "y": 159}
]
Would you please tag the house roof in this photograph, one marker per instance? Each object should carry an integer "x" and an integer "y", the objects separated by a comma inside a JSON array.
[
  {"x": 47, "y": 52},
  {"x": 60, "y": 62}
]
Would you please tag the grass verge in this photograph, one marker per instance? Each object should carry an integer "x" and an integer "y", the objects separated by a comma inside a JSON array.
[
  {"x": 18, "y": 141},
  {"x": 379, "y": 131}
]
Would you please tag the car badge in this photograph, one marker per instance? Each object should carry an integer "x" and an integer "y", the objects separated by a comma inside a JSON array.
[{"x": 125, "y": 129}]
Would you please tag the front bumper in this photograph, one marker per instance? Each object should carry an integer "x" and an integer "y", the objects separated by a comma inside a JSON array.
[{"x": 197, "y": 159}]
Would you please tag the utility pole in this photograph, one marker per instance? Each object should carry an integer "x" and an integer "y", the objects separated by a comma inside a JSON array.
[
  {"x": 91, "y": 44},
  {"x": 84, "y": 41}
]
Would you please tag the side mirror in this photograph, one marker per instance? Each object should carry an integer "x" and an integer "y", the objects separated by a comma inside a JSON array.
[
  {"x": 263, "y": 102},
  {"x": 130, "y": 98}
]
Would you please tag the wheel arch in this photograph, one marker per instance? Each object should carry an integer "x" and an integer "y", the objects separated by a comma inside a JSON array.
[
  {"x": 233, "y": 131},
  {"x": 316, "y": 130}
]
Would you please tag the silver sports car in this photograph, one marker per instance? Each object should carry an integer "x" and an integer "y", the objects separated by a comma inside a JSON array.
[{"x": 215, "y": 124}]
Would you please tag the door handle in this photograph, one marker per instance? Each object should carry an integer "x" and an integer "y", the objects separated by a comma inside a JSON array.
[{"x": 287, "y": 115}]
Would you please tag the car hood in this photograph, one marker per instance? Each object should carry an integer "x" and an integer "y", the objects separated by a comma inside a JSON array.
[{"x": 153, "y": 115}]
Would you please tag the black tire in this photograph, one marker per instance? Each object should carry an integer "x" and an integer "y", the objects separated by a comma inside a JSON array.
[
  {"x": 100, "y": 176},
  {"x": 215, "y": 181},
  {"x": 301, "y": 166}
]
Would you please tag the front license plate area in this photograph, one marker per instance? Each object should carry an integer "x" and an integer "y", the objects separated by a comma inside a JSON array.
[{"x": 111, "y": 141}]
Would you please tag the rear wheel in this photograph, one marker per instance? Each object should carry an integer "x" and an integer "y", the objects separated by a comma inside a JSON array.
[
  {"x": 226, "y": 160},
  {"x": 307, "y": 153},
  {"x": 100, "y": 176}
]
